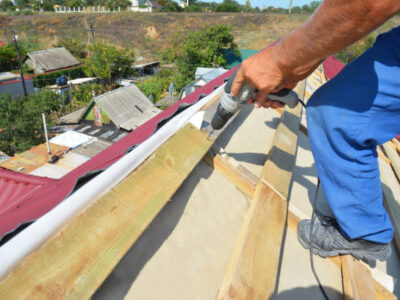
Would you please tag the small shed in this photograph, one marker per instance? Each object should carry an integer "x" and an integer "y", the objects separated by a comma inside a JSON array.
[
  {"x": 50, "y": 60},
  {"x": 126, "y": 107}
]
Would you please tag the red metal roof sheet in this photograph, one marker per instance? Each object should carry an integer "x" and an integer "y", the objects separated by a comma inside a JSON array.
[
  {"x": 332, "y": 66},
  {"x": 25, "y": 198},
  {"x": 26, "y": 202}
]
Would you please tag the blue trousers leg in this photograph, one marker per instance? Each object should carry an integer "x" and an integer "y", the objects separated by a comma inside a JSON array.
[{"x": 347, "y": 118}]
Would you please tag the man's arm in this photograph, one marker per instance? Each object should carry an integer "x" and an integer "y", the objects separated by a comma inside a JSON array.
[{"x": 335, "y": 25}]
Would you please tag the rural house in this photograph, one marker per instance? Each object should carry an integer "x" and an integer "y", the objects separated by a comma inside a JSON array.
[{"x": 50, "y": 60}]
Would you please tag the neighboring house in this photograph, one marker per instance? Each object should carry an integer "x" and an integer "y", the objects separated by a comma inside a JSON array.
[
  {"x": 145, "y": 6},
  {"x": 11, "y": 83},
  {"x": 150, "y": 68},
  {"x": 50, "y": 60},
  {"x": 184, "y": 4},
  {"x": 202, "y": 77},
  {"x": 127, "y": 108}
]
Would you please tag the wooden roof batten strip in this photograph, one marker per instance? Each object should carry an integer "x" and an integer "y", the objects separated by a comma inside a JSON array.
[
  {"x": 85, "y": 252},
  {"x": 246, "y": 277},
  {"x": 80, "y": 256}
]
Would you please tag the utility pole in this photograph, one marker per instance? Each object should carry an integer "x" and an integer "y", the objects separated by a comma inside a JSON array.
[
  {"x": 290, "y": 6},
  {"x": 19, "y": 62},
  {"x": 90, "y": 35}
]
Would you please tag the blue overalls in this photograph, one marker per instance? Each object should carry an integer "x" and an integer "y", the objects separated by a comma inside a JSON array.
[{"x": 347, "y": 118}]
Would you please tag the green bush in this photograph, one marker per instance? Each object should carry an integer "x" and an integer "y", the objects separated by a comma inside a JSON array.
[
  {"x": 352, "y": 52},
  {"x": 152, "y": 86},
  {"x": 43, "y": 80},
  {"x": 21, "y": 120}
]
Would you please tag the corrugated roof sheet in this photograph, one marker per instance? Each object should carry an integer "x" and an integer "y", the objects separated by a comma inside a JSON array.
[
  {"x": 53, "y": 59},
  {"x": 63, "y": 166},
  {"x": 35, "y": 201},
  {"x": 92, "y": 148},
  {"x": 4, "y": 76},
  {"x": 32, "y": 159},
  {"x": 15, "y": 187},
  {"x": 71, "y": 139},
  {"x": 127, "y": 107},
  {"x": 72, "y": 118}
]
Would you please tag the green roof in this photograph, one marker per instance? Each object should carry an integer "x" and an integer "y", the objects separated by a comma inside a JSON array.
[{"x": 233, "y": 60}]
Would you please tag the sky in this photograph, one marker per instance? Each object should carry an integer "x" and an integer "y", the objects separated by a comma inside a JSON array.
[{"x": 266, "y": 3}]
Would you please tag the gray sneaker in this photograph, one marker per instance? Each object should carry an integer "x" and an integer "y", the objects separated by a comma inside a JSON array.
[{"x": 328, "y": 241}]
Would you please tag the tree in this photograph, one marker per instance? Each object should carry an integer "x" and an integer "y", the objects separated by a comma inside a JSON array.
[
  {"x": 8, "y": 56},
  {"x": 153, "y": 87},
  {"x": 247, "y": 7},
  {"x": 172, "y": 6},
  {"x": 203, "y": 48},
  {"x": 229, "y": 6},
  {"x": 76, "y": 3},
  {"x": 21, "y": 120},
  {"x": 6, "y": 5},
  {"x": 83, "y": 94},
  {"x": 115, "y": 4},
  {"x": 74, "y": 45},
  {"x": 108, "y": 63},
  {"x": 47, "y": 5}
]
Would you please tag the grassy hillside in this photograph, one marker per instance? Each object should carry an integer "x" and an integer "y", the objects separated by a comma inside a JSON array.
[{"x": 148, "y": 34}]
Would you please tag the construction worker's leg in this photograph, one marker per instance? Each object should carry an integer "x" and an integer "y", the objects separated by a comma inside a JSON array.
[{"x": 347, "y": 118}]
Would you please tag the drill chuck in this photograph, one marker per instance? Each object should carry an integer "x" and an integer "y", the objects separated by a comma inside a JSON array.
[{"x": 229, "y": 105}]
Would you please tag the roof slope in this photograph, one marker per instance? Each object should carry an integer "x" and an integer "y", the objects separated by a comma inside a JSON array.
[
  {"x": 127, "y": 107},
  {"x": 18, "y": 206},
  {"x": 53, "y": 59}
]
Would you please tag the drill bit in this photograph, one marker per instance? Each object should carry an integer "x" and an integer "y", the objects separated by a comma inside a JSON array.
[{"x": 211, "y": 131}]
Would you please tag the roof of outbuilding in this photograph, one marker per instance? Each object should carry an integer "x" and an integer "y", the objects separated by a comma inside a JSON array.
[
  {"x": 4, "y": 76},
  {"x": 127, "y": 107},
  {"x": 53, "y": 59}
]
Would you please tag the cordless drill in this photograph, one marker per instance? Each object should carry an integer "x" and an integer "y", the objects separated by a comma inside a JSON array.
[{"x": 229, "y": 105}]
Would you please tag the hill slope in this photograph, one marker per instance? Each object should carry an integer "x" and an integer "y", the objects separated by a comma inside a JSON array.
[{"x": 148, "y": 34}]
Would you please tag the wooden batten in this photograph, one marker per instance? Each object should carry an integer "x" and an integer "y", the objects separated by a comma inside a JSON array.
[
  {"x": 252, "y": 272},
  {"x": 73, "y": 264},
  {"x": 357, "y": 280}
]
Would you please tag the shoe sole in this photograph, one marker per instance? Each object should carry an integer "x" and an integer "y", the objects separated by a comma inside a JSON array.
[{"x": 382, "y": 255}]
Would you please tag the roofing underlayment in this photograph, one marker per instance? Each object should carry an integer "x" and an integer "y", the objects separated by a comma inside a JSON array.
[
  {"x": 39, "y": 199},
  {"x": 228, "y": 232}
]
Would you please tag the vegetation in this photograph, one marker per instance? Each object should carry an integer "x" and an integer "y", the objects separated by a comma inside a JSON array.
[
  {"x": 228, "y": 6},
  {"x": 8, "y": 56},
  {"x": 202, "y": 48},
  {"x": 152, "y": 86},
  {"x": 21, "y": 120},
  {"x": 107, "y": 62},
  {"x": 84, "y": 93},
  {"x": 43, "y": 80},
  {"x": 352, "y": 52},
  {"x": 6, "y": 5}
]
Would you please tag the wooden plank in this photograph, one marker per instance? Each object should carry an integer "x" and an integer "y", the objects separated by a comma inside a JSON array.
[
  {"x": 382, "y": 293},
  {"x": 252, "y": 272},
  {"x": 72, "y": 264},
  {"x": 253, "y": 268},
  {"x": 392, "y": 205},
  {"x": 396, "y": 143},
  {"x": 243, "y": 179},
  {"x": 357, "y": 281},
  {"x": 277, "y": 171},
  {"x": 393, "y": 157}
]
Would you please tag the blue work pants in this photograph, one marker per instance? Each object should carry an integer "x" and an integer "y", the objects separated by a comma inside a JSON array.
[{"x": 348, "y": 118}]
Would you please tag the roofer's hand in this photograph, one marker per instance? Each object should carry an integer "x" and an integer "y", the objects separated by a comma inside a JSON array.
[{"x": 266, "y": 72}]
